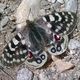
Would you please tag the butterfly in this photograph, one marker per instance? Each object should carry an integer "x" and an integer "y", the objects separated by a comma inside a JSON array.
[{"x": 45, "y": 36}]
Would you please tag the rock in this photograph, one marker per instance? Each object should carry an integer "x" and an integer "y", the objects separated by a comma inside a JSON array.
[
  {"x": 43, "y": 76},
  {"x": 1, "y": 15},
  {"x": 54, "y": 58},
  {"x": 73, "y": 44},
  {"x": 63, "y": 66},
  {"x": 35, "y": 78},
  {"x": 2, "y": 7},
  {"x": 24, "y": 74},
  {"x": 47, "y": 74},
  {"x": 71, "y": 5},
  {"x": 3, "y": 22}
]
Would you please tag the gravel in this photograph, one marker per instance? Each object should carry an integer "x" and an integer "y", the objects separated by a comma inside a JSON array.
[
  {"x": 8, "y": 8},
  {"x": 47, "y": 74},
  {"x": 24, "y": 74},
  {"x": 74, "y": 44},
  {"x": 4, "y": 21},
  {"x": 2, "y": 7},
  {"x": 35, "y": 77}
]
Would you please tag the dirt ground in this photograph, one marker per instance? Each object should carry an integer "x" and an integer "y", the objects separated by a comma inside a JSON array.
[{"x": 7, "y": 9}]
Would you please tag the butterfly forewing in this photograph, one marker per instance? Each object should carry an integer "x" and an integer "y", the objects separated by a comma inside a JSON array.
[
  {"x": 11, "y": 54},
  {"x": 60, "y": 22}
]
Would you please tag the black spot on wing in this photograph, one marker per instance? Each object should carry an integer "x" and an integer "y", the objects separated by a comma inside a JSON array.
[
  {"x": 12, "y": 44},
  {"x": 62, "y": 16},
  {"x": 47, "y": 18},
  {"x": 55, "y": 16},
  {"x": 17, "y": 38},
  {"x": 21, "y": 53},
  {"x": 9, "y": 51},
  {"x": 8, "y": 57},
  {"x": 23, "y": 47},
  {"x": 53, "y": 26},
  {"x": 69, "y": 17},
  {"x": 63, "y": 28}
]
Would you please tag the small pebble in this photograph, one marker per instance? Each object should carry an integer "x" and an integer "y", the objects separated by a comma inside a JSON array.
[
  {"x": 35, "y": 78},
  {"x": 3, "y": 22},
  {"x": 24, "y": 74},
  {"x": 73, "y": 44},
  {"x": 47, "y": 74},
  {"x": 71, "y": 5},
  {"x": 2, "y": 7}
]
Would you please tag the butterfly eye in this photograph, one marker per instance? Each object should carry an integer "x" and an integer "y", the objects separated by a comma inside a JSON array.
[
  {"x": 53, "y": 50},
  {"x": 58, "y": 48},
  {"x": 42, "y": 57},
  {"x": 38, "y": 60}
]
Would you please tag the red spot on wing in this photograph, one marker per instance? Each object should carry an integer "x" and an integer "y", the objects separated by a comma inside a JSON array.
[
  {"x": 30, "y": 55},
  {"x": 57, "y": 37}
]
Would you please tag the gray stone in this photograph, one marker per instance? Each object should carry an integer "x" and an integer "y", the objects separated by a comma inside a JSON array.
[
  {"x": 3, "y": 22},
  {"x": 74, "y": 44},
  {"x": 71, "y": 5},
  {"x": 24, "y": 74},
  {"x": 2, "y": 7},
  {"x": 35, "y": 78},
  {"x": 47, "y": 74}
]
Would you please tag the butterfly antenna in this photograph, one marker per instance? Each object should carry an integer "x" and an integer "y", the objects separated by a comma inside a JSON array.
[
  {"x": 13, "y": 30},
  {"x": 28, "y": 13},
  {"x": 6, "y": 73}
]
